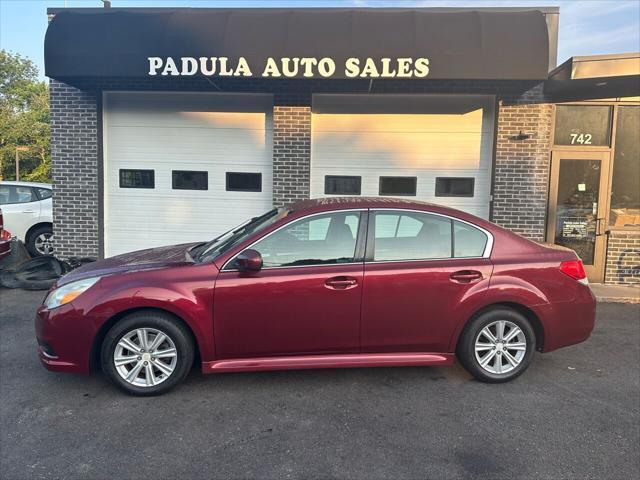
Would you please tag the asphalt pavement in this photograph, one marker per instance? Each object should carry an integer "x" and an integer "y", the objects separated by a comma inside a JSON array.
[{"x": 574, "y": 414}]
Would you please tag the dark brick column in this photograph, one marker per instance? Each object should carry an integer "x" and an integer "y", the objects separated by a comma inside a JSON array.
[
  {"x": 74, "y": 152},
  {"x": 521, "y": 175},
  {"x": 291, "y": 154}
]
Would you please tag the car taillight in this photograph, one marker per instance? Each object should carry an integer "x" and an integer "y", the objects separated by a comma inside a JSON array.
[
  {"x": 575, "y": 270},
  {"x": 5, "y": 235}
]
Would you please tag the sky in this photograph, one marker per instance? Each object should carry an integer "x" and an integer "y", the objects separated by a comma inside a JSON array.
[{"x": 587, "y": 27}]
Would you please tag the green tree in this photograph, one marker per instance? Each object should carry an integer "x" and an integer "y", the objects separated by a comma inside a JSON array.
[{"x": 24, "y": 120}]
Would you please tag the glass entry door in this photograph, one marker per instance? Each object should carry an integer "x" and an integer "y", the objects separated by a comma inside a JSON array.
[{"x": 577, "y": 206}]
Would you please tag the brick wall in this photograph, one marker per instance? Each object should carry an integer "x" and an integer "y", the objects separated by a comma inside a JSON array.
[
  {"x": 623, "y": 258},
  {"x": 74, "y": 152},
  {"x": 291, "y": 154},
  {"x": 521, "y": 175}
]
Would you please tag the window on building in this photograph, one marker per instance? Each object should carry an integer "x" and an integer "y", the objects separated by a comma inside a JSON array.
[
  {"x": 583, "y": 125},
  {"x": 244, "y": 182},
  {"x": 454, "y": 187},
  {"x": 625, "y": 186},
  {"x": 44, "y": 193},
  {"x": 342, "y": 185},
  {"x": 189, "y": 180},
  {"x": 398, "y": 186},
  {"x": 317, "y": 240},
  {"x": 411, "y": 236},
  {"x": 468, "y": 241},
  {"x": 16, "y": 194},
  {"x": 137, "y": 178}
]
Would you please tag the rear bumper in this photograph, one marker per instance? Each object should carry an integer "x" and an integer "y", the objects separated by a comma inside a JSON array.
[
  {"x": 568, "y": 323},
  {"x": 64, "y": 339}
]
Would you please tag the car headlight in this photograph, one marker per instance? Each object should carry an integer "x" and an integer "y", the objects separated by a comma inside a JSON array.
[{"x": 67, "y": 293}]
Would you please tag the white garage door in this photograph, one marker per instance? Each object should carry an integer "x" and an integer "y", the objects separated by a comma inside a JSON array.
[
  {"x": 183, "y": 167},
  {"x": 426, "y": 147}
]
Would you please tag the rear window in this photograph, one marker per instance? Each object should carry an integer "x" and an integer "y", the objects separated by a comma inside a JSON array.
[
  {"x": 411, "y": 236},
  {"x": 43, "y": 193},
  {"x": 468, "y": 240}
]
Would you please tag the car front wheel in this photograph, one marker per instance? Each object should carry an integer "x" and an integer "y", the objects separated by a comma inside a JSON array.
[
  {"x": 147, "y": 353},
  {"x": 497, "y": 345}
]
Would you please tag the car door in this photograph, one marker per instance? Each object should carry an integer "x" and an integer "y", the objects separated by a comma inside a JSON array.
[
  {"x": 20, "y": 208},
  {"x": 307, "y": 297},
  {"x": 418, "y": 278},
  {"x": 46, "y": 210}
]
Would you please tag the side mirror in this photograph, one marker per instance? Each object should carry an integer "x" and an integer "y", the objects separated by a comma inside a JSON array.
[{"x": 249, "y": 261}]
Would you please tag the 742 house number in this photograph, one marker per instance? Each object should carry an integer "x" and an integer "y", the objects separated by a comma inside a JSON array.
[{"x": 581, "y": 138}]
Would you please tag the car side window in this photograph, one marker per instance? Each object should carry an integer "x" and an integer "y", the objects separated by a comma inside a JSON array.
[
  {"x": 16, "y": 194},
  {"x": 411, "y": 236},
  {"x": 317, "y": 240},
  {"x": 469, "y": 241},
  {"x": 43, "y": 193}
]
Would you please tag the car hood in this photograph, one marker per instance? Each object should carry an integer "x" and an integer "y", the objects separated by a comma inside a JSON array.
[{"x": 151, "y": 258}]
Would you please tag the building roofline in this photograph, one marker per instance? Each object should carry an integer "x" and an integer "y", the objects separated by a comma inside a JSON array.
[{"x": 545, "y": 9}]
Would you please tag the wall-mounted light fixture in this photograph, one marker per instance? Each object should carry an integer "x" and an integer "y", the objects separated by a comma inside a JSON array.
[{"x": 520, "y": 136}]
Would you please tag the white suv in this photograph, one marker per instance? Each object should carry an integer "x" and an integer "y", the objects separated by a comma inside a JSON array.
[{"x": 26, "y": 208}]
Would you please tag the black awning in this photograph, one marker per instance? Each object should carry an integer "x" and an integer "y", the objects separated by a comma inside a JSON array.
[
  {"x": 459, "y": 44},
  {"x": 595, "y": 76}
]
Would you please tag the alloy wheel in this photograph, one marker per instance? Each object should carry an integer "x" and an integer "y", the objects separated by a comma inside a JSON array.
[
  {"x": 44, "y": 244},
  {"x": 500, "y": 347},
  {"x": 145, "y": 357}
]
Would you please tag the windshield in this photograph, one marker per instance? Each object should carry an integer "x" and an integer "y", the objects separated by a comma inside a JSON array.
[{"x": 228, "y": 240}]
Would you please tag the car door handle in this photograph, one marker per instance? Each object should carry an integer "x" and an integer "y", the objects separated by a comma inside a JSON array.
[
  {"x": 465, "y": 276},
  {"x": 340, "y": 283}
]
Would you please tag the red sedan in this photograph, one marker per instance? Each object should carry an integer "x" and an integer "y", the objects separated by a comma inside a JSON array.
[{"x": 340, "y": 282}]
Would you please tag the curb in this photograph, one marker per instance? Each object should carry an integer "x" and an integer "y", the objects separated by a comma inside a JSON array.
[{"x": 629, "y": 300}]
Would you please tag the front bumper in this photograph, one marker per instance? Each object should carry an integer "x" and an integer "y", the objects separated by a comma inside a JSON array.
[{"x": 65, "y": 338}]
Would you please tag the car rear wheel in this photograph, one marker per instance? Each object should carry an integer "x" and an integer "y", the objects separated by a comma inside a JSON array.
[
  {"x": 497, "y": 345},
  {"x": 147, "y": 353},
  {"x": 40, "y": 241}
]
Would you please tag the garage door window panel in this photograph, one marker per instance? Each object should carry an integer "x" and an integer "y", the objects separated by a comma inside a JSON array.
[
  {"x": 137, "y": 178},
  {"x": 244, "y": 182},
  {"x": 411, "y": 236},
  {"x": 342, "y": 185},
  {"x": 400, "y": 186},
  {"x": 455, "y": 186},
  {"x": 318, "y": 240},
  {"x": 189, "y": 180}
]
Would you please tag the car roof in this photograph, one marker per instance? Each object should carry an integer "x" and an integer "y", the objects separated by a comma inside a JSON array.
[
  {"x": 345, "y": 203},
  {"x": 318, "y": 205},
  {"x": 330, "y": 203},
  {"x": 26, "y": 184}
]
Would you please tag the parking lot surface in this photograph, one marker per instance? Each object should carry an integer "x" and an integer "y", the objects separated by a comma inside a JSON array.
[{"x": 574, "y": 414}]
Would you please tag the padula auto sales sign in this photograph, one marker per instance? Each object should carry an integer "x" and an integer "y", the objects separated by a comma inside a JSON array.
[{"x": 290, "y": 67}]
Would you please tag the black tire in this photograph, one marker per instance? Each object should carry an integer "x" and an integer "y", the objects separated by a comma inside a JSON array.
[
  {"x": 466, "y": 346},
  {"x": 33, "y": 236},
  {"x": 162, "y": 322}
]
